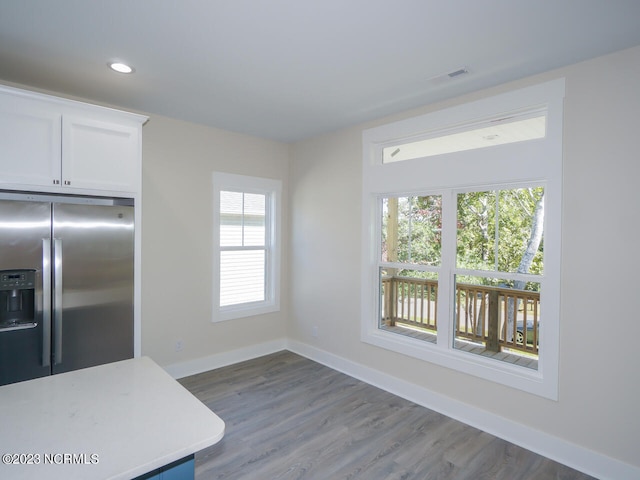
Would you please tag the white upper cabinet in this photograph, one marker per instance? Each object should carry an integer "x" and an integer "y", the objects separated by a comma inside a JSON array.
[
  {"x": 30, "y": 142},
  {"x": 60, "y": 146},
  {"x": 99, "y": 155}
]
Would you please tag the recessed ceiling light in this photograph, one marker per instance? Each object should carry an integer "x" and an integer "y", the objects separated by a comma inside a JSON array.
[{"x": 121, "y": 67}]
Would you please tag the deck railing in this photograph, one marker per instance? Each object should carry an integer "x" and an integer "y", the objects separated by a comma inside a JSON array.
[{"x": 495, "y": 316}]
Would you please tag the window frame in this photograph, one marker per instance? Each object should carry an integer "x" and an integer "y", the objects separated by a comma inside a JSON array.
[
  {"x": 539, "y": 161},
  {"x": 272, "y": 189}
]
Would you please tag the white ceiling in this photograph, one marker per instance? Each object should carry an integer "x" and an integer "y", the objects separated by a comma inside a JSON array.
[{"x": 292, "y": 69}]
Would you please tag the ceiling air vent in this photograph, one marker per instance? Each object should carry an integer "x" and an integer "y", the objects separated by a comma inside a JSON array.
[
  {"x": 457, "y": 73},
  {"x": 448, "y": 76}
]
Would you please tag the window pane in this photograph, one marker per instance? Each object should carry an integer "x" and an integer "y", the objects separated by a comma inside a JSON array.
[
  {"x": 409, "y": 302},
  {"x": 520, "y": 230},
  {"x": 498, "y": 132},
  {"x": 242, "y": 277},
  {"x": 411, "y": 229},
  {"x": 242, "y": 219},
  {"x": 498, "y": 318},
  {"x": 230, "y": 218},
  {"x": 254, "y": 219},
  {"x": 501, "y": 230}
]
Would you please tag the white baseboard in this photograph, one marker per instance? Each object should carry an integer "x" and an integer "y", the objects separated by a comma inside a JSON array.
[
  {"x": 562, "y": 451},
  {"x": 211, "y": 362}
]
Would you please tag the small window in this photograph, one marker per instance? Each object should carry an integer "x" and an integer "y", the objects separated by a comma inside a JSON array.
[
  {"x": 246, "y": 239},
  {"x": 243, "y": 244}
]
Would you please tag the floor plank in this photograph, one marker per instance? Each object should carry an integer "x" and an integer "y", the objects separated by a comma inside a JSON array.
[{"x": 288, "y": 417}]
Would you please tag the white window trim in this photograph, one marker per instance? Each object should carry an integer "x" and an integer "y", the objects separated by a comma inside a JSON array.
[
  {"x": 273, "y": 189},
  {"x": 452, "y": 172}
]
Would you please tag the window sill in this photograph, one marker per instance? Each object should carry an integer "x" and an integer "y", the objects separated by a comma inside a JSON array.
[
  {"x": 475, "y": 348},
  {"x": 498, "y": 371},
  {"x": 246, "y": 310}
]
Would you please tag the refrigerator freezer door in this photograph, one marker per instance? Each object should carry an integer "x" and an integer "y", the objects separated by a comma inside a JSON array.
[
  {"x": 25, "y": 228},
  {"x": 93, "y": 285}
]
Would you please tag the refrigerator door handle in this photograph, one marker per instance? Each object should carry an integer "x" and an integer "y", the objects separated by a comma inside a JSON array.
[
  {"x": 57, "y": 301},
  {"x": 22, "y": 326},
  {"x": 46, "y": 302}
]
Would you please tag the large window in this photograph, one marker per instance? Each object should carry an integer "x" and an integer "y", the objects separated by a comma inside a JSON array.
[
  {"x": 246, "y": 240},
  {"x": 461, "y": 222}
]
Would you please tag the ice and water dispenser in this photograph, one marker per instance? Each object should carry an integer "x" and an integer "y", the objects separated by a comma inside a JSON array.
[{"x": 17, "y": 299}]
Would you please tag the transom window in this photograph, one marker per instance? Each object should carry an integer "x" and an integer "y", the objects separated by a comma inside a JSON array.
[
  {"x": 499, "y": 131},
  {"x": 462, "y": 237}
]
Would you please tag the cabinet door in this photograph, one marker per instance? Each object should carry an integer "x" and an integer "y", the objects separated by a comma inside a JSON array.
[
  {"x": 99, "y": 155},
  {"x": 181, "y": 470},
  {"x": 29, "y": 142}
]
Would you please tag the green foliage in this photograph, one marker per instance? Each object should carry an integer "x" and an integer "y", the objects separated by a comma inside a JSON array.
[
  {"x": 493, "y": 230},
  {"x": 495, "y": 227},
  {"x": 419, "y": 221}
]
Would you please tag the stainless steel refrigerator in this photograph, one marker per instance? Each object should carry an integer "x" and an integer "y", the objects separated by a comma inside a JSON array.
[{"x": 66, "y": 283}]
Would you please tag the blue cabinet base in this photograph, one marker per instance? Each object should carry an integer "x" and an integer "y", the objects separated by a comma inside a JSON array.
[{"x": 183, "y": 469}]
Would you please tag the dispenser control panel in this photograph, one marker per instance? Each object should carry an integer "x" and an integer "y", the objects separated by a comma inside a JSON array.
[{"x": 17, "y": 279}]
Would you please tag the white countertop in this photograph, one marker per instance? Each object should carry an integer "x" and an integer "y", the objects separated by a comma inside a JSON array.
[{"x": 118, "y": 420}]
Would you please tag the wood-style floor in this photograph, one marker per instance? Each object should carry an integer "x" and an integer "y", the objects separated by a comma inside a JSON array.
[{"x": 288, "y": 417}]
